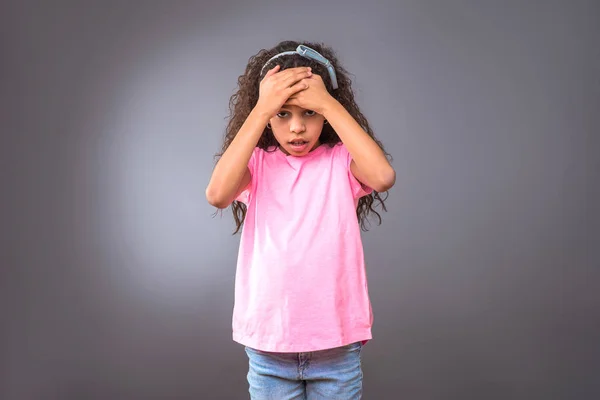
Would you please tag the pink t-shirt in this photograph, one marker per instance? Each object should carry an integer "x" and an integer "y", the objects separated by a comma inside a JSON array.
[{"x": 301, "y": 283}]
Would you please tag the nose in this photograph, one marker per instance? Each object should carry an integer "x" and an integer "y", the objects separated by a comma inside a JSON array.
[{"x": 297, "y": 124}]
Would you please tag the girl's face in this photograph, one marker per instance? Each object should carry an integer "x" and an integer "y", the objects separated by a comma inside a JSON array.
[{"x": 297, "y": 130}]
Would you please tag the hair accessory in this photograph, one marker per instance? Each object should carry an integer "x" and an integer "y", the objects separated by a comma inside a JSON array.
[{"x": 311, "y": 54}]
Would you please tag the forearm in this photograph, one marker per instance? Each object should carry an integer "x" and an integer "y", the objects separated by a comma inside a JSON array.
[
  {"x": 233, "y": 165},
  {"x": 373, "y": 167}
]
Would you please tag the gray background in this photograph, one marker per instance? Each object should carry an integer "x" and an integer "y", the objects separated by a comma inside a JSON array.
[{"x": 117, "y": 281}]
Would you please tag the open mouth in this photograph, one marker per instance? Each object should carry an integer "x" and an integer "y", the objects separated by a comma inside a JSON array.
[{"x": 299, "y": 144}]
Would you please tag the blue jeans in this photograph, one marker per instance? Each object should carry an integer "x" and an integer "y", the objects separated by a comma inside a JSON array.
[{"x": 333, "y": 374}]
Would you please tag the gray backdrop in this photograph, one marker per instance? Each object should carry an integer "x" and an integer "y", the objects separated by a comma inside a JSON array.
[{"x": 117, "y": 281}]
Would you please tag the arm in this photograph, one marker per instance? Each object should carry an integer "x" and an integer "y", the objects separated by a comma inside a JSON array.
[
  {"x": 231, "y": 174},
  {"x": 369, "y": 163}
]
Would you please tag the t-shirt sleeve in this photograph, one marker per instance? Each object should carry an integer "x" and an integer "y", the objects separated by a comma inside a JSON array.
[
  {"x": 246, "y": 194},
  {"x": 358, "y": 189}
]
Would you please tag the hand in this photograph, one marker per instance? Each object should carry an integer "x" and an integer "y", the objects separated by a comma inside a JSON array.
[
  {"x": 277, "y": 87},
  {"x": 315, "y": 97}
]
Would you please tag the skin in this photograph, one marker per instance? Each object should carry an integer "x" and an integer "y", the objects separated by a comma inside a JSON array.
[
  {"x": 296, "y": 123},
  {"x": 296, "y": 103}
]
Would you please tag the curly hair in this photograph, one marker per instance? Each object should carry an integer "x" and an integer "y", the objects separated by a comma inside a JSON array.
[{"x": 244, "y": 100}]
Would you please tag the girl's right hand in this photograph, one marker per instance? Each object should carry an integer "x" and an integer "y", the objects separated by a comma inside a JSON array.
[{"x": 277, "y": 87}]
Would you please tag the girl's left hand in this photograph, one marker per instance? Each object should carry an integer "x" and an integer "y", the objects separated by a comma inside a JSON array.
[{"x": 315, "y": 97}]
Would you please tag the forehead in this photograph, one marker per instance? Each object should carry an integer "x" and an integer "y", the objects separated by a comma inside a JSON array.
[{"x": 294, "y": 109}]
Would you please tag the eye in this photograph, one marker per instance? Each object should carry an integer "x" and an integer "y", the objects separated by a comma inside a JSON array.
[
  {"x": 310, "y": 113},
  {"x": 282, "y": 114}
]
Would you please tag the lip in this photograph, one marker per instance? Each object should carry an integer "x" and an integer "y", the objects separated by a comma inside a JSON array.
[{"x": 299, "y": 148}]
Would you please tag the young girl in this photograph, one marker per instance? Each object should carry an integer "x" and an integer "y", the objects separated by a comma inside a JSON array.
[{"x": 301, "y": 169}]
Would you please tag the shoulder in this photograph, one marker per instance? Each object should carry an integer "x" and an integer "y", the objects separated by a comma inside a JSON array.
[
  {"x": 340, "y": 152},
  {"x": 333, "y": 150},
  {"x": 259, "y": 154},
  {"x": 265, "y": 153},
  {"x": 336, "y": 153}
]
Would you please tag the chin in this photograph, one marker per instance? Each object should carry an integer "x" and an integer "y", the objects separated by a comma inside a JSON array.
[{"x": 297, "y": 153}]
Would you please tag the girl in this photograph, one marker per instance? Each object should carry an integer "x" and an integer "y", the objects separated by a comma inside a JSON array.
[{"x": 301, "y": 169}]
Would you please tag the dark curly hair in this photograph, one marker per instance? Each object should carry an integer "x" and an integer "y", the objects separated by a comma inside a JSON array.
[{"x": 244, "y": 100}]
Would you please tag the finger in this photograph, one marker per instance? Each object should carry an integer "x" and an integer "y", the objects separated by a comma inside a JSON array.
[
  {"x": 296, "y": 75},
  {"x": 271, "y": 72},
  {"x": 291, "y": 72},
  {"x": 294, "y": 70},
  {"x": 296, "y": 88},
  {"x": 296, "y": 95},
  {"x": 291, "y": 75},
  {"x": 291, "y": 102}
]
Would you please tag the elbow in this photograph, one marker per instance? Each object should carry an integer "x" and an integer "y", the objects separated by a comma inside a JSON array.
[
  {"x": 386, "y": 180},
  {"x": 216, "y": 200}
]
